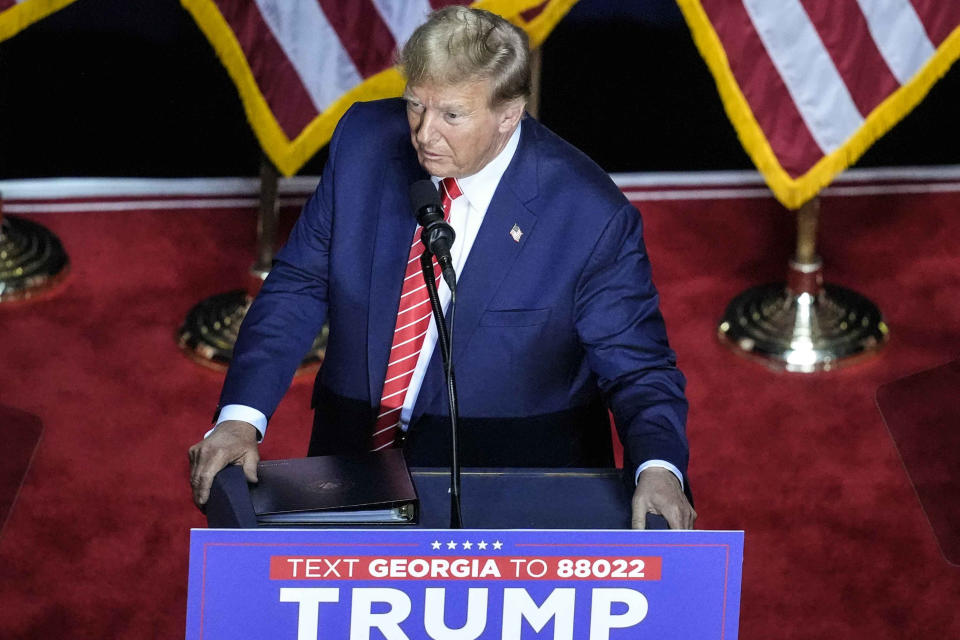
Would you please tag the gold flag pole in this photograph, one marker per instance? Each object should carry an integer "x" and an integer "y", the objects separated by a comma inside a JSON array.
[
  {"x": 209, "y": 331},
  {"x": 32, "y": 260},
  {"x": 536, "y": 72},
  {"x": 803, "y": 325}
]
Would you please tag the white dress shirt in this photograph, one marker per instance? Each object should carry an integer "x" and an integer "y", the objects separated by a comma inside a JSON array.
[{"x": 466, "y": 215}]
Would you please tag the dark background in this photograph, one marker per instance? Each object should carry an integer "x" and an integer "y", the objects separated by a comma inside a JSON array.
[{"x": 119, "y": 88}]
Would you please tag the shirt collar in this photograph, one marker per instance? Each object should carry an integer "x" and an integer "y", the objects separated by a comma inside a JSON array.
[{"x": 480, "y": 187}]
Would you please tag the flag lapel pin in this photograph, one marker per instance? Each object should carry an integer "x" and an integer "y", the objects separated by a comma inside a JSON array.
[{"x": 516, "y": 233}]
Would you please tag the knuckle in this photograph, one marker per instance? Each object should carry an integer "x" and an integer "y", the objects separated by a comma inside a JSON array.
[{"x": 201, "y": 479}]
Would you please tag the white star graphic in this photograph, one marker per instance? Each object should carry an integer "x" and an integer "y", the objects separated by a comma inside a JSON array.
[
  {"x": 497, "y": 545},
  {"x": 481, "y": 545},
  {"x": 467, "y": 545},
  {"x": 451, "y": 545},
  {"x": 435, "y": 544}
]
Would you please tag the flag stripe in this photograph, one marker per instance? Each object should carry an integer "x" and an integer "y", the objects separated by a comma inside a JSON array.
[
  {"x": 763, "y": 88},
  {"x": 939, "y": 18},
  {"x": 403, "y": 16},
  {"x": 845, "y": 34},
  {"x": 313, "y": 48},
  {"x": 899, "y": 35},
  {"x": 838, "y": 48},
  {"x": 532, "y": 13},
  {"x": 439, "y": 4},
  {"x": 807, "y": 70},
  {"x": 278, "y": 81},
  {"x": 362, "y": 33}
]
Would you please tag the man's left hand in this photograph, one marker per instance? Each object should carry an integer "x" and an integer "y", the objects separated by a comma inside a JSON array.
[{"x": 658, "y": 491}]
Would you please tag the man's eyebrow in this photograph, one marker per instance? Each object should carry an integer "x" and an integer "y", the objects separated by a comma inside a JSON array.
[{"x": 455, "y": 107}]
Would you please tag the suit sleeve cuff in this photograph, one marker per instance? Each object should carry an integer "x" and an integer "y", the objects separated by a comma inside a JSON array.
[
  {"x": 663, "y": 464},
  {"x": 244, "y": 413}
]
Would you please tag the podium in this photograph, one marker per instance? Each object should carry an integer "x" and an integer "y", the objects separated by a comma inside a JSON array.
[
  {"x": 524, "y": 565},
  {"x": 491, "y": 499}
]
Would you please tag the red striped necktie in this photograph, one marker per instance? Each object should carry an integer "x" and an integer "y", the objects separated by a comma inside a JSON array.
[{"x": 413, "y": 321}]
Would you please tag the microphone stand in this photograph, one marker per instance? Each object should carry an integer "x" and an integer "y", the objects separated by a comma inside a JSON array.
[{"x": 445, "y": 341}]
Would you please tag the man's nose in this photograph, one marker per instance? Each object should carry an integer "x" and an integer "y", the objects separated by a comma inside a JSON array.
[{"x": 426, "y": 129}]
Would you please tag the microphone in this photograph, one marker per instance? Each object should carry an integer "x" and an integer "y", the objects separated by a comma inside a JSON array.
[{"x": 437, "y": 236}]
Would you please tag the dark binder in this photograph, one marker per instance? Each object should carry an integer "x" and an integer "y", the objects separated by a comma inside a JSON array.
[{"x": 368, "y": 488}]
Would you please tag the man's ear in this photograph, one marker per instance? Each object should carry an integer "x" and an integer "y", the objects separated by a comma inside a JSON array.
[{"x": 510, "y": 115}]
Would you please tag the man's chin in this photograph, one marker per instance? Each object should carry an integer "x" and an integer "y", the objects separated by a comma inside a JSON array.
[{"x": 435, "y": 166}]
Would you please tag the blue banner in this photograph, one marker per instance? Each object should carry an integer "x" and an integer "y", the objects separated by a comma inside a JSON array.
[{"x": 402, "y": 584}]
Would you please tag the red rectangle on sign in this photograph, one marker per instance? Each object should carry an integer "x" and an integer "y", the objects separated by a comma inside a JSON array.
[{"x": 631, "y": 568}]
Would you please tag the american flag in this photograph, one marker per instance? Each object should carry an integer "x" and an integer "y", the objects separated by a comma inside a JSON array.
[
  {"x": 17, "y": 15},
  {"x": 810, "y": 84},
  {"x": 299, "y": 64}
]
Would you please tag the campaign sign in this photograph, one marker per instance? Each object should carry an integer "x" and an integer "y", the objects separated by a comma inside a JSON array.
[{"x": 465, "y": 584}]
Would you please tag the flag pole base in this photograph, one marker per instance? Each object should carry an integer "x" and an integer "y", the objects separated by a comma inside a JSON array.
[
  {"x": 209, "y": 332},
  {"x": 803, "y": 325},
  {"x": 32, "y": 260}
]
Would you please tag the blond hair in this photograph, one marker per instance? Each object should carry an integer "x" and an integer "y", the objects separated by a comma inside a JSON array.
[{"x": 458, "y": 44}]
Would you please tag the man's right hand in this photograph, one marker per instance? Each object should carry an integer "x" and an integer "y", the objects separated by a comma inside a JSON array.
[{"x": 232, "y": 442}]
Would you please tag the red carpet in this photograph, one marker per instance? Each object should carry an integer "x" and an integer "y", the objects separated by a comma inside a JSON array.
[{"x": 837, "y": 545}]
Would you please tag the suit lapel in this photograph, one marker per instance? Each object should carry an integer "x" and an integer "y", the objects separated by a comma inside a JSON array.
[
  {"x": 491, "y": 257},
  {"x": 395, "y": 225}
]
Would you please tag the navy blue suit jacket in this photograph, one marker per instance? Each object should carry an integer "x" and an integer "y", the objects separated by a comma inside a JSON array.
[{"x": 550, "y": 330}]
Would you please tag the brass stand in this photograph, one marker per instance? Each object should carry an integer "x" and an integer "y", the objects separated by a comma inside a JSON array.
[
  {"x": 32, "y": 260},
  {"x": 209, "y": 331},
  {"x": 803, "y": 325}
]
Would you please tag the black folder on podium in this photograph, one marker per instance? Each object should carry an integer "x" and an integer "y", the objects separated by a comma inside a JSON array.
[
  {"x": 368, "y": 488},
  {"x": 491, "y": 499}
]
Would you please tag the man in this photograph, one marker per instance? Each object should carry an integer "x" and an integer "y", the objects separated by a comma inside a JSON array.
[{"x": 556, "y": 315}]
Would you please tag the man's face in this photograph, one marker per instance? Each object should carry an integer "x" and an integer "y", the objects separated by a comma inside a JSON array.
[{"x": 453, "y": 128}]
